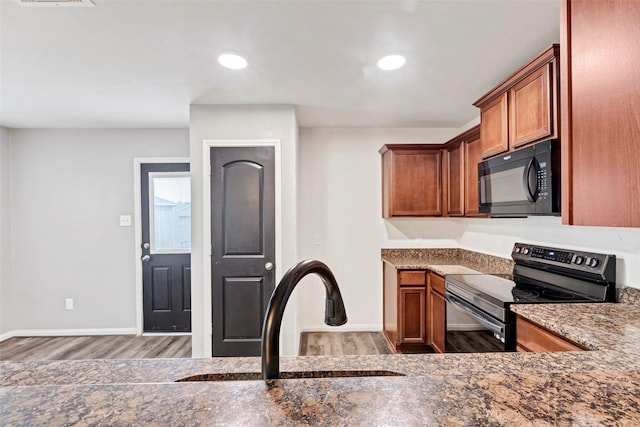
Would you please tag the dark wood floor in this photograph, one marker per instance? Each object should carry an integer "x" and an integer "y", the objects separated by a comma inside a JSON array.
[
  {"x": 95, "y": 347},
  {"x": 343, "y": 343},
  {"x": 472, "y": 342},
  {"x": 141, "y": 347}
]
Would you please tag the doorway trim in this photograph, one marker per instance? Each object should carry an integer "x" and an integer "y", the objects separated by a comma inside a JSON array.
[
  {"x": 137, "y": 227},
  {"x": 207, "y": 144}
]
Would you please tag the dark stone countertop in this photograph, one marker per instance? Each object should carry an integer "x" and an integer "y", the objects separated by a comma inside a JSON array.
[{"x": 446, "y": 261}]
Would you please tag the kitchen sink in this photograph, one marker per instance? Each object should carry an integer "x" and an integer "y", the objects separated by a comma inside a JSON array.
[{"x": 255, "y": 376}]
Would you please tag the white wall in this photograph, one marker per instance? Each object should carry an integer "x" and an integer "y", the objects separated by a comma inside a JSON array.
[
  {"x": 6, "y": 300},
  {"x": 340, "y": 218},
  {"x": 220, "y": 122},
  {"x": 497, "y": 236},
  {"x": 69, "y": 188}
]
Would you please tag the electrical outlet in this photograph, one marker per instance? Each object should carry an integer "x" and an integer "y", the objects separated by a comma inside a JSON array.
[
  {"x": 317, "y": 240},
  {"x": 68, "y": 304},
  {"x": 125, "y": 220},
  {"x": 419, "y": 242}
]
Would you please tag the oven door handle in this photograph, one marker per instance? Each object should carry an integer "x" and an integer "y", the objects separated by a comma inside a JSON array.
[{"x": 493, "y": 326}]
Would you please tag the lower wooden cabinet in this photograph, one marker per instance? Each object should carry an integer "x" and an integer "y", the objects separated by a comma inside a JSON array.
[
  {"x": 436, "y": 309},
  {"x": 414, "y": 315},
  {"x": 405, "y": 308},
  {"x": 533, "y": 337}
]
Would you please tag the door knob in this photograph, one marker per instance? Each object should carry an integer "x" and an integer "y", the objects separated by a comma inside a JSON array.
[
  {"x": 146, "y": 258},
  {"x": 268, "y": 266},
  {"x": 146, "y": 245}
]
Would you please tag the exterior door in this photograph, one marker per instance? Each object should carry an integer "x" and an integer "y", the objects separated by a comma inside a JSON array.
[
  {"x": 243, "y": 246},
  {"x": 166, "y": 247}
]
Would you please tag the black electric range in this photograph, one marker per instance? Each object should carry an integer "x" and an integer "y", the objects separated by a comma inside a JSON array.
[{"x": 540, "y": 275}]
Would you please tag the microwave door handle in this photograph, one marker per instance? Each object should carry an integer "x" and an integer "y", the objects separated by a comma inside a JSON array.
[{"x": 531, "y": 195}]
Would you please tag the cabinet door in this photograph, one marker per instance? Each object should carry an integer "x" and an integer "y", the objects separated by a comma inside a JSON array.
[
  {"x": 494, "y": 127},
  {"x": 600, "y": 96},
  {"x": 530, "y": 108},
  {"x": 455, "y": 169},
  {"x": 414, "y": 183},
  {"x": 437, "y": 321},
  {"x": 531, "y": 337},
  {"x": 413, "y": 313},
  {"x": 472, "y": 156}
]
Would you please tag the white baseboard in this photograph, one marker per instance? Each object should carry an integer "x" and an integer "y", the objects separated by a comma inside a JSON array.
[
  {"x": 321, "y": 327},
  {"x": 6, "y": 336},
  {"x": 67, "y": 332},
  {"x": 165, "y": 334}
]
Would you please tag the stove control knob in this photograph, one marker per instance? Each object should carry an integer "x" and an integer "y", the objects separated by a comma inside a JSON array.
[
  {"x": 525, "y": 251},
  {"x": 594, "y": 262},
  {"x": 579, "y": 260},
  {"x": 518, "y": 249}
]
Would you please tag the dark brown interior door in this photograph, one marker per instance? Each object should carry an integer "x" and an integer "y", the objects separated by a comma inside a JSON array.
[
  {"x": 166, "y": 247},
  {"x": 243, "y": 246}
]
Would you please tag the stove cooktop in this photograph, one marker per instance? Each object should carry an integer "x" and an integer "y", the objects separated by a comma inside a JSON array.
[{"x": 505, "y": 289}]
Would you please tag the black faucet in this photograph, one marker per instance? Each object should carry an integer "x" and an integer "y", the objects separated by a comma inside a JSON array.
[{"x": 335, "y": 314}]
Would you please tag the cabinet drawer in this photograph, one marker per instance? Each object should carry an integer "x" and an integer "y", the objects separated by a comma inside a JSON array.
[
  {"x": 413, "y": 278},
  {"x": 437, "y": 283},
  {"x": 531, "y": 337}
]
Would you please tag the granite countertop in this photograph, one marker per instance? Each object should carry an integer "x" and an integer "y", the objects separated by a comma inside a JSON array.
[
  {"x": 446, "y": 261},
  {"x": 600, "y": 387}
]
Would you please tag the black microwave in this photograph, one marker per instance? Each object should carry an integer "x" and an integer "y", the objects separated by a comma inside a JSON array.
[{"x": 521, "y": 183}]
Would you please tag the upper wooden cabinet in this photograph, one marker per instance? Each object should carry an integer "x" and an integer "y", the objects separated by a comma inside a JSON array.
[
  {"x": 472, "y": 156},
  {"x": 494, "y": 126},
  {"x": 463, "y": 156},
  {"x": 600, "y": 53},
  {"x": 524, "y": 108},
  {"x": 455, "y": 181},
  {"x": 411, "y": 180},
  {"x": 529, "y": 118}
]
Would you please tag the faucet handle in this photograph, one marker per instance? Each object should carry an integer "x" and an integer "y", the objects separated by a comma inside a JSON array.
[{"x": 268, "y": 266}]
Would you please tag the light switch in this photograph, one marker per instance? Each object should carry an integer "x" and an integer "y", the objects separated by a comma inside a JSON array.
[
  {"x": 317, "y": 240},
  {"x": 68, "y": 304},
  {"x": 125, "y": 220}
]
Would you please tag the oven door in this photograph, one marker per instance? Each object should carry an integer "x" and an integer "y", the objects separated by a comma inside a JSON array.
[{"x": 494, "y": 325}]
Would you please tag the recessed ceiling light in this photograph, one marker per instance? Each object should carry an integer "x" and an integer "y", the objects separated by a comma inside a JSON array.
[
  {"x": 391, "y": 62},
  {"x": 230, "y": 60}
]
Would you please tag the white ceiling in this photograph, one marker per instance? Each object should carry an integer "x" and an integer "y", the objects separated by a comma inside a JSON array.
[{"x": 140, "y": 63}]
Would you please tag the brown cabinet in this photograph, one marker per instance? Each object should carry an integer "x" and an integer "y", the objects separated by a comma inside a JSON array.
[
  {"x": 411, "y": 180},
  {"x": 533, "y": 337},
  {"x": 413, "y": 310},
  {"x": 455, "y": 181},
  {"x": 529, "y": 118},
  {"x": 436, "y": 309},
  {"x": 472, "y": 156},
  {"x": 600, "y": 101},
  {"x": 405, "y": 308},
  {"x": 463, "y": 156},
  {"x": 524, "y": 108},
  {"x": 494, "y": 126}
]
